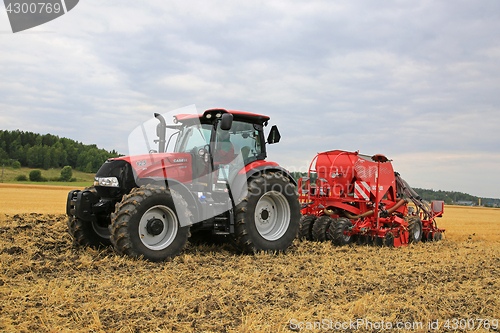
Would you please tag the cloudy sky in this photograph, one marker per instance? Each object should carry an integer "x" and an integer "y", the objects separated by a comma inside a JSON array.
[{"x": 418, "y": 81}]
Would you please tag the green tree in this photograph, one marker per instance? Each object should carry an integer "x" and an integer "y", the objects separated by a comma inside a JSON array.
[
  {"x": 88, "y": 168},
  {"x": 4, "y": 157},
  {"x": 66, "y": 173},
  {"x": 16, "y": 165},
  {"x": 21, "y": 178},
  {"x": 35, "y": 175}
]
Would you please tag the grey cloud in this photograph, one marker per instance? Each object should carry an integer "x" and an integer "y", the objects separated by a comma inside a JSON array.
[{"x": 401, "y": 78}]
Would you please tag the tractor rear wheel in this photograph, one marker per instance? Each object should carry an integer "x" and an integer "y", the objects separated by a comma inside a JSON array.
[
  {"x": 337, "y": 235},
  {"x": 268, "y": 218},
  {"x": 146, "y": 223},
  {"x": 306, "y": 227},
  {"x": 87, "y": 233},
  {"x": 321, "y": 227},
  {"x": 415, "y": 229}
]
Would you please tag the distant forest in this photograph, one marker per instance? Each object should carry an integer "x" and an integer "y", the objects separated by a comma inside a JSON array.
[
  {"x": 50, "y": 151},
  {"x": 449, "y": 197}
]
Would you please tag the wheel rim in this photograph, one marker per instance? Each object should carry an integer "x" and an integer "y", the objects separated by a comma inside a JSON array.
[
  {"x": 158, "y": 227},
  {"x": 416, "y": 232},
  {"x": 272, "y": 215},
  {"x": 345, "y": 237}
]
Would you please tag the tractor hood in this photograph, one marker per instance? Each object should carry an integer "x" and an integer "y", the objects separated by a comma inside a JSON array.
[
  {"x": 167, "y": 165},
  {"x": 118, "y": 176}
]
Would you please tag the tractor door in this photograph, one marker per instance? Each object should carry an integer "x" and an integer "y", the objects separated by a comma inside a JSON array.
[{"x": 243, "y": 139}]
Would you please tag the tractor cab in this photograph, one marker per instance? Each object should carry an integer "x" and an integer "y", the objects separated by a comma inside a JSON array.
[
  {"x": 220, "y": 143},
  {"x": 219, "y": 138}
]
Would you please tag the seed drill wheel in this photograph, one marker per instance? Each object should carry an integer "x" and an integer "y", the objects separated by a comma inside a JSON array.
[
  {"x": 146, "y": 223},
  {"x": 437, "y": 236},
  {"x": 378, "y": 241},
  {"x": 89, "y": 233},
  {"x": 414, "y": 228},
  {"x": 268, "y": 218},
  {"x": 362, "y": 240},
  {"x": 389, "y": 239},
  {"x": 306, "y": 226},
  {"x": 337, "y": 232},
  {"x": 320, "y": 230}
]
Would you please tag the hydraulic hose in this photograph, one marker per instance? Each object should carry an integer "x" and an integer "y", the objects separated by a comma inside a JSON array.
[{"x": 370, "y": 212}]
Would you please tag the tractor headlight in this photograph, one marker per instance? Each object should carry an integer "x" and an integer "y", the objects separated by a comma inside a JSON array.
[{"x": 106, "y": 181}]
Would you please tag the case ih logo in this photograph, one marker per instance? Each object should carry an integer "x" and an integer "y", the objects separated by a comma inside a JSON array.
[
  {"x": 180, "y": 160},
  {"x": 26, "y": 14}
]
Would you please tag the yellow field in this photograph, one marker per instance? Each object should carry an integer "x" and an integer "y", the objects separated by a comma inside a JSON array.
[
  {"x": 23, "y": 198},
  {"x": 476, "y": 223},
  {"x": 49, "y": 285},
  {"x": 460, "y": 222}
]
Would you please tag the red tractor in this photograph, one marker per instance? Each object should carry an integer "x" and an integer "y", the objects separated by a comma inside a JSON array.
[
  {"x": 350, "y": 197},
  {"x": 215, "y": 181}
]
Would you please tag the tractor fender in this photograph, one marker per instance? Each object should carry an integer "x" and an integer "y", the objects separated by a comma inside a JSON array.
[
  {"x": 180, "y": 188},
  {"x": 239, "y": 186}
]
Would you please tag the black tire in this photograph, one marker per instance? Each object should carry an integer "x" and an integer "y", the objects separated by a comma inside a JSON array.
[
  {"x": 306, "y": 227},
  {"x": 437, "y": 236},
  {"x": 362, "y": 240},
  {"x": 337, "y": 235},
  {"x": 320, "y": 230},
  {"x": 146, "y": 223},
  {"x": 87, "y": 233},
  {"x": 389, "y": 239},
  {"x": 370, "y": 240},
  {"x": 415, "y": 229},
  {"x": 268, "y": 218}
]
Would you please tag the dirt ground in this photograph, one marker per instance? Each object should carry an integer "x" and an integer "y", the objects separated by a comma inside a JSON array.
[{"x": 48, "y": 285}]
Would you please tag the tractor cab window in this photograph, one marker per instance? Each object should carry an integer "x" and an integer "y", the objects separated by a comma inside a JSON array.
[
  {"x": 243, "y": 138},
  {"x": 193, "y": 137}
]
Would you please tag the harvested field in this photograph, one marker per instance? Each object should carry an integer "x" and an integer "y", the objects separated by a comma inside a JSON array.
[
  {"x": 27, "y": 198},
  {"x": 48, "y": 285}
]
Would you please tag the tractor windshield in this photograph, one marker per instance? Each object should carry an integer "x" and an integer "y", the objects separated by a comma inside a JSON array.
[{"x": 193, "y": 137}]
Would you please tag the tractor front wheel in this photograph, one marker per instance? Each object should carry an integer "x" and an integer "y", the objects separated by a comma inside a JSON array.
[
  {"x": 146, "y": 223},
  {"x": 87, "y": 233},
  {"x": 268, "y": 218}
]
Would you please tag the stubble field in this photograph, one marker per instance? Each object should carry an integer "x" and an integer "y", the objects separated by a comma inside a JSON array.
[{"x": 48, "y": 285}]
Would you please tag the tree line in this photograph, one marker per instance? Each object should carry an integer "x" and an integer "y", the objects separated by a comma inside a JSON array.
[{"x": 47, "y": 151}]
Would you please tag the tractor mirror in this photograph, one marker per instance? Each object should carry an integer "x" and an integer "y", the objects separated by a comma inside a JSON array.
[
  {"x": 226, "y": 121},
  {"x": 274, "y": 135}
]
